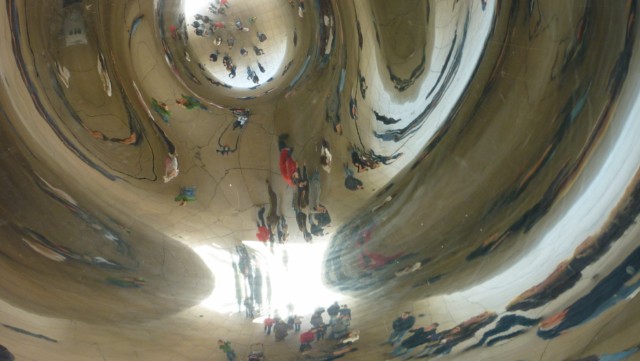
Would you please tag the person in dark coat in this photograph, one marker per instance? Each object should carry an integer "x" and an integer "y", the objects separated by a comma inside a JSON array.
[
  {"x": 280, "y": 329},
  {"x": 420, "y": 336},
  {"x": 351, "y": 182},
  {"x": 345, "y": 311},
  {"x": 301, "y": 220},
  {"x": 400, "y": 326},
  {"x": 333, "y": 310},
  {"x": 339, "y": 327},
  {"x": 318, "y": 323},
  {"x": 248, "y": 304},
  {"x": 302, "y": 186}
]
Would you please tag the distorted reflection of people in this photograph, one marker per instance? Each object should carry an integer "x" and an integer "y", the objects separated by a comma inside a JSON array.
[
  {"x": 170, "y": 167},
  {"x": 420, "y": 336},
  {"x": 189, "y": 102},
  {"x": 225, "y": 346},
  {"x": 187, "y": 194},
  {"x": 280, "y": 329},
  {"x": 288, "y": 166},
  {"x": 325, "y": 156},
  {"x": 268, "y": 324},
  {"x": 350, "y": 181},
  {"x": 400, "y": 327}
]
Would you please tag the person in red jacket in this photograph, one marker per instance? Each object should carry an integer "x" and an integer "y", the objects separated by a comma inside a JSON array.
[
  {"x": 288, "y": 166},
  {"x": 268, "y": 323},
  {"x": 306, "y": 338},
  {"x": 263, "y": 234}
]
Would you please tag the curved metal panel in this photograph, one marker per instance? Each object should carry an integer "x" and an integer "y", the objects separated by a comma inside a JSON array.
[{"x": 365, "y": 179}]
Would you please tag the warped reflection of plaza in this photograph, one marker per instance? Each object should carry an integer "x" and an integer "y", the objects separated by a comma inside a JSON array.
[{"x": 170, "y": 164}]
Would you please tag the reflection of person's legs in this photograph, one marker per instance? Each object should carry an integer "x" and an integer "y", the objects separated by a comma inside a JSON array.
[
  {"x": 315, "y": 176},
  {"x": 340, "y": 353},
  {"x": 303, "y": 198},
  {"x": 408, "y": 354},
  {"x": 401, "y": 335},
  {"x": 504, "y": 324},
  {"x": 272, "y": 216},
  {"x": 393, "y": 337},
  {"x": 426, "y": 351},
  {"x": 261, "y": 217},
  {"x": 347, "y": 171},
  {"x": 483, "y": 339},
  {"x": 273, "y": 199},
  {"x": 399, "y": 350},
  {"x": 493, "y": 341}
]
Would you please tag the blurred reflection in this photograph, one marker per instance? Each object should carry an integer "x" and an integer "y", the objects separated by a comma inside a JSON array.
[
  {"x": 622, "y": 283},
  {"x": 356, "y": 179}
]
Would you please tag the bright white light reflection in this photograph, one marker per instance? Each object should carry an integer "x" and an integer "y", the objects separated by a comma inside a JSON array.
[
  {"x": 223, "y": 297},
  {"x": 587, "y": 215},
  {"x": 300, "y": 284}
]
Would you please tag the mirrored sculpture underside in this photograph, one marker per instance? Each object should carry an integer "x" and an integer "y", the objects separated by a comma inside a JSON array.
[{"x": 178, "y": 171}]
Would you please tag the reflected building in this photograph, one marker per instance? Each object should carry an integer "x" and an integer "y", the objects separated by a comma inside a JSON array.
[{"x": 294, "y": 180}]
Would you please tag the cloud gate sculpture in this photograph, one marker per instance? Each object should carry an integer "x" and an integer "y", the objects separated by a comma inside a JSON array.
[{"x": 319, "y": 180}]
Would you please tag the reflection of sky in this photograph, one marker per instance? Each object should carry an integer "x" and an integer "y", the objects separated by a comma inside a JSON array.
[
  {"x": 300, "y": 285},
  {"x": 278, "y": 29},
  {"x": 586, "y": 216}
]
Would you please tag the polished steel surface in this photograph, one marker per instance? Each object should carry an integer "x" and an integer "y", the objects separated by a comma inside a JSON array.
[{"x": 177, "y": 171}]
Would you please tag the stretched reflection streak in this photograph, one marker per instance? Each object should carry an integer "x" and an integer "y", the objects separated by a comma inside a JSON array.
[
  {"x": 586, "y": 216},
  {"x": 14, "y": 19}
]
